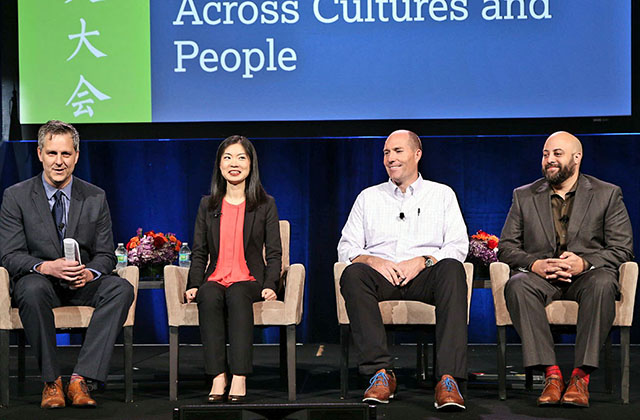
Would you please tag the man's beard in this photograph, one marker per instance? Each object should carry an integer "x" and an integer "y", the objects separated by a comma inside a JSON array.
[{"x": 564, "y": 173}]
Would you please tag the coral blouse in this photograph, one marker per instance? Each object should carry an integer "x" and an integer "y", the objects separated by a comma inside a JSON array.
[{"x": 231, "y": 266}]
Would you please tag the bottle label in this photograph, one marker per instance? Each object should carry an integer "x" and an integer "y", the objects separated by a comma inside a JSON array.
[
  {"x": 184, "y": 257},
  {"x": 122, "y": 258}
]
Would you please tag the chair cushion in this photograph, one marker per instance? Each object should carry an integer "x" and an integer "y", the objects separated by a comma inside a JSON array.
[
  {"x": 65, "y": 317},
  {"x": 268, "y": 313},
  {"x": 562, "y": 312},
  {"x": 403, "y": 312},
  {"x": 264, "y": 313}
]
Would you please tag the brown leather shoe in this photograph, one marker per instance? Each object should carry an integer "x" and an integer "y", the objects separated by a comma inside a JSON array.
[
  {"x": 52, "y": 395},
  {"x": 382, "y": 388},
  {"x": 78, "y": 394},
  {"x": 552, "y": 392},
  {"x": 448, "y": 395},
  {"x": 577, "y": 393}
]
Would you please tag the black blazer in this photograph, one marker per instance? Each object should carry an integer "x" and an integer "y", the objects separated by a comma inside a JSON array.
[
  {"x": 599, "y": 227},
  {"x": 28, "y": 233},
  {"x": 261, "y": 228}
]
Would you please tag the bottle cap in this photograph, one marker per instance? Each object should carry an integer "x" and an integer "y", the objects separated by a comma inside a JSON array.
[{"x": 120, "y": 244}]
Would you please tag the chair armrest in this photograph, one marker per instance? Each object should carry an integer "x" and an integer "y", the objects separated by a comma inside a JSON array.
[
  {"x": 294, "y": 294},
  {"x": 628, "y": 279},
  {"x": 5, "y": 300},
  {"x": 338, "y": 268},
  {"x": 499, "y": 274},
  {"x": 132, "y": 275},
  {"x": 175, "y": 284},
  {"x": 468, "y": 269}
]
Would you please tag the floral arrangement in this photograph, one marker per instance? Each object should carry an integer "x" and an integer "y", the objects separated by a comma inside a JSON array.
[
  {"x": 152, "y": 248},
  {"x": 483, "y": 248}
]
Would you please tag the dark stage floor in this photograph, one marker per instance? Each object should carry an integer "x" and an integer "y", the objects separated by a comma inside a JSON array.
[{"x": 318, "y": 381}]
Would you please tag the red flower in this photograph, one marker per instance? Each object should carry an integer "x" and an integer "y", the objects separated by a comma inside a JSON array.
[
  {"x": 492, "y": 243},
  {"x": 159, "y": 241},
  {"x": 133, "y": 242}
]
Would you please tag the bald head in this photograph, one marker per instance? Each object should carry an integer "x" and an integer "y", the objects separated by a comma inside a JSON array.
[
  {"x": 568, "y": 141},
  {"x": 561, "y": 159},
  {"x": 414, "y": 140}
]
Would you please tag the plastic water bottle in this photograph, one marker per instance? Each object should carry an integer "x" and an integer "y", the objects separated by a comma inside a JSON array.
[
  {"x": 184, "y": 256},
  {"x": 121, "y": 255}
]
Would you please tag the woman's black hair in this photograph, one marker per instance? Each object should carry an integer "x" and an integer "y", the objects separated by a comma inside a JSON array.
[{"x": 253, "y": 190}]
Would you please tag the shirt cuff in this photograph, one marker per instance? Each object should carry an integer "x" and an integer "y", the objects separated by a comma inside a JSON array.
[
  {"x": 96, "y": 272},
  {"x": 35, "y": 267}
]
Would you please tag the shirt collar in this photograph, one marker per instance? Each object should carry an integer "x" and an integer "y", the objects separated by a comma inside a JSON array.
[
  {"x": 413, "y": 189},
  {"x": 51, "y": 190},
  {"x": 572, "y": 191}
]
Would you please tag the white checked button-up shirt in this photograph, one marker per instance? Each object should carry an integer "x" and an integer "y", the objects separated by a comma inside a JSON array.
[{"x": 432, "y": 223}]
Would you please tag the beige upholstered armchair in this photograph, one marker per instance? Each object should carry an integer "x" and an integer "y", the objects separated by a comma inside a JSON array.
[
  {"x": 394, "y": 313},
  {"x": 286, "y": 314},
  {"x": 66, "y": 317},
  {"x": 565, "y": 312}
]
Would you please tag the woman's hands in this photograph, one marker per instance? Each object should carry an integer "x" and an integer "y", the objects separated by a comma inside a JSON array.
[
  {"x": 268, "y": 294},
  {"x": 190, "y": 294}
]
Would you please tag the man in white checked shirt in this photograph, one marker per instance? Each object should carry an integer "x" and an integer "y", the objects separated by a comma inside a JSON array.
[{"x": 406, "y": 240}]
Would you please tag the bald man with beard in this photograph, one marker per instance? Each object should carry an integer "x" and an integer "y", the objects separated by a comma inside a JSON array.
[{"x": 564, "y": 238}]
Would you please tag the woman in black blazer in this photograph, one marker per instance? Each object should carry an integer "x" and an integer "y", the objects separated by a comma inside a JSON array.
[{"x": 228, "y": 272}]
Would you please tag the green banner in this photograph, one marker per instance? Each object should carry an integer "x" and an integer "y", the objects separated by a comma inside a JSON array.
[{"x": 84, "y": 61}]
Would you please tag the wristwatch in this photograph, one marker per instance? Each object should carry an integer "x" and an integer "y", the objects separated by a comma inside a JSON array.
[{"x": 428, "y": 262}]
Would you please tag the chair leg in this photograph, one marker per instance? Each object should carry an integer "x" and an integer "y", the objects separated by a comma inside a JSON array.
[
  {"x": 283, "y": 354},
  {"x": 22, "y": 343},
  {"x": 608, "y": 365},
  {"x": 434, "y": 361},
  {"x": 4, "y": 367},
  {"x": 174, "y": 347},
  {"x": 128, "y": 363},
  {"x": 624, "y": 362},
  {"x": 502, "y": 362},
  {"x": 291, "y": 361},
  {"x": 421, "y": 361},
  {"x": 344, "y": 361},
  {"x": 528, "y": 378}
]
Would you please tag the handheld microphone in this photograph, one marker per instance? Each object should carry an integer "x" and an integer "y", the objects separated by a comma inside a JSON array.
[{"x": 401, "y": 215}]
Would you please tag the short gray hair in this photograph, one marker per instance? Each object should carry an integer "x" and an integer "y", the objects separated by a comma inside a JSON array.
[{"x": 55, "y": 127}]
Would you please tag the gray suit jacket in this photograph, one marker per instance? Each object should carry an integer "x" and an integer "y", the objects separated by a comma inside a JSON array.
[
  {"x": 599, "y": 227},
  {"x": 28, "y": 234}
]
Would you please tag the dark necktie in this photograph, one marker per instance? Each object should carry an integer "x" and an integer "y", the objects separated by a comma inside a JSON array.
[{"x": 58, "y": 214}]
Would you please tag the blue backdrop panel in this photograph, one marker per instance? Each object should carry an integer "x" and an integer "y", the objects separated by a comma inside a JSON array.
[{"x": 157, "y": 185}]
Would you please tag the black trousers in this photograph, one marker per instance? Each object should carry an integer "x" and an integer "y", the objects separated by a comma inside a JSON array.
[
  {"x": 227, "y": 310},
  {"x": 36, "y": 296},
  {"x": 443, "y": 285},
  {"x": 527, "y": 294}
]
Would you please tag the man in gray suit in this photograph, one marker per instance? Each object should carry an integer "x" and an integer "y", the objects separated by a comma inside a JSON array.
[
  {"x": 564, "y": 238},
  {"x": 36, "y": 215}
]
